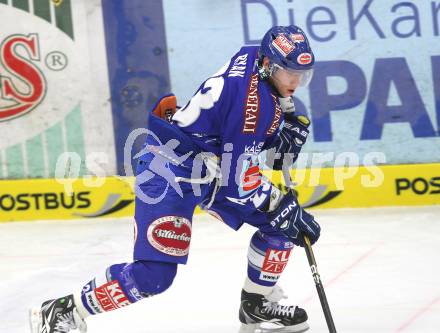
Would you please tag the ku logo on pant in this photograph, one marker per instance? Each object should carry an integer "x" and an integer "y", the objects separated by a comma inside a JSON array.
[
  {"x": 110, "y": 296},
  {"x": 275, "y": 261}
]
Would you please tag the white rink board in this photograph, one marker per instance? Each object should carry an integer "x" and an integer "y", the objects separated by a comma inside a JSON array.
[{"x": 380, "y": 267}]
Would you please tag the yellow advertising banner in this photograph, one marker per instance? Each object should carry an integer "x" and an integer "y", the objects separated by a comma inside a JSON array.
[
  {"x": 394, "y": 185},
  {"x": 391, "y": 185},
  {"x": 44, "y": 199}
]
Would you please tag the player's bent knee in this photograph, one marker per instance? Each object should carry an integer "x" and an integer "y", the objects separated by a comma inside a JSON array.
[
  {"x": 154, "y": 277},
  {"x": 143, "y": 278}
]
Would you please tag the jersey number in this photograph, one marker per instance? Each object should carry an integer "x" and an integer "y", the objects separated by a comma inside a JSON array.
[{"x": 205, "y": 99}]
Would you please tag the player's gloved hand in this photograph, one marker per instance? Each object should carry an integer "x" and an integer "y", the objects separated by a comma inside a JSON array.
[
  {"x": 293, "y": 221},
  {"x": 294, "y": 134},
  {"x": 289, "y": 141}
]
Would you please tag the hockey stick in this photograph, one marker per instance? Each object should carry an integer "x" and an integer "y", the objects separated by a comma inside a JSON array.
[
  {"x": 314, "y": 267},
  {"x": 319, "y": 286}
]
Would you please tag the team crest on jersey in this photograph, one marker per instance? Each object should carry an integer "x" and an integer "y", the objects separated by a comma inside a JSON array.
[
  {"x": 283, "y": 45},
  {"x": 250, "y": 180},
  {"x": 252, "y": 177},
  {"x": 170, "y": 235}
]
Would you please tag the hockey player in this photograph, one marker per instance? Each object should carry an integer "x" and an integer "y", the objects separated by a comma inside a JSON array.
[{"x": 208, "y": 154}]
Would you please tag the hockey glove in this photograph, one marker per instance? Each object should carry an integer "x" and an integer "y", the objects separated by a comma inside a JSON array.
[
  {"x": 294, "y": 134},
  {"x": 293, "y": 221},
  {"x": 289, "y": 140}
]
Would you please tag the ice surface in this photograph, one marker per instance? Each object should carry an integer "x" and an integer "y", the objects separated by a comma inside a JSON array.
[{"x": 380, "y": 268}]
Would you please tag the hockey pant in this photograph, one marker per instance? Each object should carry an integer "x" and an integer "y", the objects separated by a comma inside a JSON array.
[{"x": 162, "y": 239}]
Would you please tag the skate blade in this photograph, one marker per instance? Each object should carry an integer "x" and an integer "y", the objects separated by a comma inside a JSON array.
[
  {"x": 35, "y": 319},
  {"x": 272, "y": 328}
]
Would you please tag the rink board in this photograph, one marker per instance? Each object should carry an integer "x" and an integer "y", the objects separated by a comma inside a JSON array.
[{"x": 395, "y": 185}]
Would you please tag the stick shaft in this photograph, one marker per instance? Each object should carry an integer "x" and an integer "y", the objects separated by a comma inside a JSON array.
[
  {"x": 313, "y": 267},
  {"x": 319, "y": 286}
]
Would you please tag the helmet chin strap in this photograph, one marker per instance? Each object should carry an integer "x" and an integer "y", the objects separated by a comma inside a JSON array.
[{"x": 265, "y": 73}]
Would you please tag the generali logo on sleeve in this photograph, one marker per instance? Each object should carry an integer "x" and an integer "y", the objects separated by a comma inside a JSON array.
[{"x": 251, "y": 107}]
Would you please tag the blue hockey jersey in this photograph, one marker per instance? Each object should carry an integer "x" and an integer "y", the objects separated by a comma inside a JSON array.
[{"x": 235, "y": 115}]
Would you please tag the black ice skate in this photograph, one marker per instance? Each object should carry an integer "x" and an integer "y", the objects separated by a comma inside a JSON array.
[
  {"x": 260, "y": 314},
  {"x": 57, "y": 316}
]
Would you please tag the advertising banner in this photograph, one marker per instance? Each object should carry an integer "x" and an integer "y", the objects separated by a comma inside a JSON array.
[
  {"x": 47, "y": 199},
  {"x": 360, "y": 187},
  {"x": 54, "y": 94},
  {"x": 353, "y": 187},
  {"x": 376, "y": 86}
]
